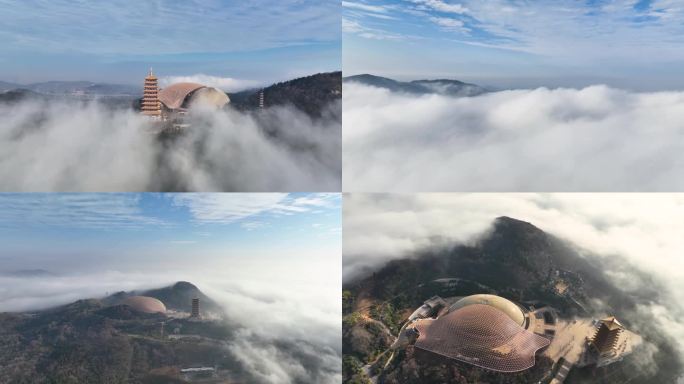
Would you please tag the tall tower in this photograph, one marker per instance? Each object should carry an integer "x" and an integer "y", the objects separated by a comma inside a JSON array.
[
  {"x": 261, "y": 99},
  {"x": 150, "y": 102},
  {"x": 606, "y": 338},
  {"x": 195, "y": 308}
]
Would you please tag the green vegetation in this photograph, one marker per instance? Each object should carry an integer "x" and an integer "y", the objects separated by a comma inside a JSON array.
[
  {"x": 310, "y": 94},
  {"x": 387, "y": 314},
  {"x": 347, "y": 302}
]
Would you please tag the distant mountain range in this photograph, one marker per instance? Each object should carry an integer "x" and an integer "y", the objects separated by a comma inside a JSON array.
[
  {"x": 515, "y": 260},
  {"x": 85, "y": 88},
  {"x": 102, "y": 341},
  {"x": 439, "y": 86},
  {"x": 23, "y": 273}
]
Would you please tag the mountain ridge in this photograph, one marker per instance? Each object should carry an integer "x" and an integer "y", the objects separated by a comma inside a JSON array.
[{"x": 447, "y": 87}]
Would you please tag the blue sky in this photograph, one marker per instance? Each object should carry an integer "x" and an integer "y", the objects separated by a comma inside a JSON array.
[
  {"x": 635, "y": 44},
  {"x": 118, "y": 40},
  {"x": 93, "y": 232}
]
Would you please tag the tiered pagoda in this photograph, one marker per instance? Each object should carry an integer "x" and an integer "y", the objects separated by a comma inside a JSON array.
[{"x": 150, "y": 103}]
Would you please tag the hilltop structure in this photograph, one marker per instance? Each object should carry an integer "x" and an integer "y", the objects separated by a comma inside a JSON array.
[
  {"x": 195, "y": 308},
  {"x": 177, "y": 98},
  {"x": 608, "y": 342},
  {"x": 173, "y": 101},
  {"x": 145, "y": 304},
  {"x": 150, "y": 105},
  {"x": 496, "y": 334},
  {"x": 487, "y": 331}
]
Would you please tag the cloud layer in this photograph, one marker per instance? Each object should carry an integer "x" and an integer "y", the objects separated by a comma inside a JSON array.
[
  {"x": 591, "y": 139},
  {"x": 56, "y": 146}
]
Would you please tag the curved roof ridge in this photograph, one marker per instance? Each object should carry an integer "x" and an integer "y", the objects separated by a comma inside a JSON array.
[
  {"x": 174, "y": 95},
  {"x": 481, "y": 335}
]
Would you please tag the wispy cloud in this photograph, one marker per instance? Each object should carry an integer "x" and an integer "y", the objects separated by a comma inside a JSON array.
[
  {"x": 166, "y": 27},
  {"x": 441, "y": 6},
  {"x": 77, "y": 210},
  {"x": 450, "y": 24},
  {"x": 233, "y": 207},
  {"x": 355, "y": 27},
  {"x": 365, "y": 7},
  {"x": 252, "y": 225}
]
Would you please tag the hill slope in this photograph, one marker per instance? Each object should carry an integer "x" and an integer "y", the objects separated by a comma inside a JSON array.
[
  {"x": 310, "y": 94},
  {"x": 445, "y": 87}
]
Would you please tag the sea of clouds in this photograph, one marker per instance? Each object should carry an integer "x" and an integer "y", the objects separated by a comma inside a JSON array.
[
  {"x": 644, "y": 229},
  {"x": 591, "y": 139},
  {"x": 70, "y": 146},
  {"x": 286, "y": 326}
]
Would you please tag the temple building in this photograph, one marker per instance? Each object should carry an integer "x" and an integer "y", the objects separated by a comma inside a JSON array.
[
  {"x": 195, "y": 308},
  {"x": 173, "y": 102},
  {"x": 145, "y": 304},
  {"x": 486, "y": 331},
  {"x": 150, "y": 105},
  {"x": 607, "y": 342}
]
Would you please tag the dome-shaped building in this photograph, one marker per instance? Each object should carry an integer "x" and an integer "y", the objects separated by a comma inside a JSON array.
[
  {"x": 145, "y": 304},
  {"x": 506, "y": 306},
  {"x": 184, "y": 95},
  {"x": 482, "y": 330}
]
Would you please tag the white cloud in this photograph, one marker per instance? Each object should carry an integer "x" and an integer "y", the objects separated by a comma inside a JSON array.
[
  {"x": 365, "y": 7},
  {"x": 591, "y": 139},
  {"x": 449, "y": 23},
  {"x": 228, "y": 207},
  {"x": 227, "y": 84},
  {"x": 354, "y": 26},
  {"x": 60, "y": 146},
  {"x": 81, "y": 210},
  {"x": 580, "y": 32},
  {"x": 442, "y": 6},
  {"x": 233, "y": 207}
]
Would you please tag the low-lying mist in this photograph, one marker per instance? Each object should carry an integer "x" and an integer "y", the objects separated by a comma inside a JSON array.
[
  {"x": 88, "y": 146},
  {"x": 286, "y": 328},
  {"x": 591, "y": 139}
]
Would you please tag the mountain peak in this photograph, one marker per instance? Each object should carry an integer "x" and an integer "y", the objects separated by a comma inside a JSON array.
[
  {"x": 185, "y": 286},
  {"x": 507, "y": 224}
]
